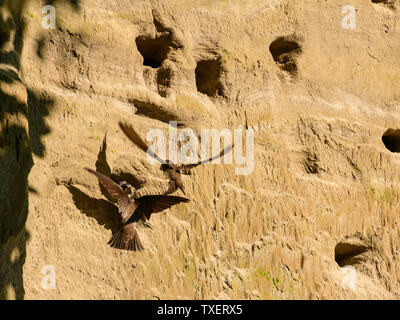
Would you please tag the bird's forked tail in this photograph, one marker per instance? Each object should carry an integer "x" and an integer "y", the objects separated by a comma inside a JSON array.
[{"x": 126, "y": 238}]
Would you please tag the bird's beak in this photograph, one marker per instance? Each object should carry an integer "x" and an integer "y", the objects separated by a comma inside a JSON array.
[{"x": 131, "y": 190}]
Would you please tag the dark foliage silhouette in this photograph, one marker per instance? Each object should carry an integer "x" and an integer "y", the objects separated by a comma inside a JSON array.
[{"x": 22, "y": 126}]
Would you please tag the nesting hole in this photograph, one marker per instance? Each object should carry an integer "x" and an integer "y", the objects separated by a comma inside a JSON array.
[
  {"x": 388, "y": 3},
  {"x": 208, "y": 77},
  {"x": 391, "y": 140},
  {"x": 154, "y": 51},
  {"x": 284, "y": 52},
  {"x": 349, "y": 252}
]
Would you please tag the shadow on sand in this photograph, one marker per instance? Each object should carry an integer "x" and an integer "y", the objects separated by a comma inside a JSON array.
[{"x": 22, "y": 126}]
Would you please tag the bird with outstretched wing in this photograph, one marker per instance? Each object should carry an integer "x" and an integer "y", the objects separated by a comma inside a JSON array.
[
  {"x": 174, "y": 171},
  {"x": 132, "y": 210}
]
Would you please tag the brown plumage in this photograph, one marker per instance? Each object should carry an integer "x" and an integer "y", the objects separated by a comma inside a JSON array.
[
  {"x": 132, "y": 210},
  {"x": 173, "y": 171}
]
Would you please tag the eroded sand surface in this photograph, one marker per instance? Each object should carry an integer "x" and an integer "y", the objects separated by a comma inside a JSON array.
[{"x": 319, "y": 98}]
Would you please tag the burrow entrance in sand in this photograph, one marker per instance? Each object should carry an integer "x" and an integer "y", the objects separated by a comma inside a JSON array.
[
  {"x": 349, "y": 252},
  {"x": 284, "y": 51},
  {"x": 391, "y": 139},
  {"x": 154, "y": 51},
  {"x": 208, "y": 77}
]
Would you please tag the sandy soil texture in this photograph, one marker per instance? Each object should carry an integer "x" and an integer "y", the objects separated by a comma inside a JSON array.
[{"x": 321, "y": 205}]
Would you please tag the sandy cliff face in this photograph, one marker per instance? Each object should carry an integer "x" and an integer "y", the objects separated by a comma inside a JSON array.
[{"x": 324, "y": 193}]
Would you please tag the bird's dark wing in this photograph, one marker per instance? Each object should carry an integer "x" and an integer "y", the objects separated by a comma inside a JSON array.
[
  {"x": 126, "y": 238},
  {"x": 157, "y": 203},
  {"x": 192, "y": 165},
  {"x": 137, "y": 140},
  {"x": 126, "y": 206}
]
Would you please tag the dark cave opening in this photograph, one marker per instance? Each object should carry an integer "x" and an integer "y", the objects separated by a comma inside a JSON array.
[
  {"x": 347, "y": 253},
  {"x": 154, "y": 51},
  {"x": 388, "y": 3},
  {"x": 208, "y": 77},
  {"x": 391, "y": 139},
  {"x": 283, "y": 51}
]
